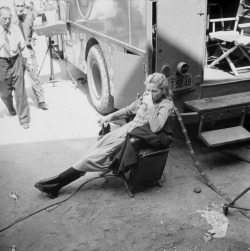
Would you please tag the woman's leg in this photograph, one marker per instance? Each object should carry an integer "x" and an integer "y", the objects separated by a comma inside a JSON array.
[
  {"x": 52, "y": 185},
  {"x": 95, "y": 160}
]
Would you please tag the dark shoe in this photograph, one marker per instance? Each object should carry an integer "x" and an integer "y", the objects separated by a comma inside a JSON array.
[
  {"x": 26, "y": 125},
  {"x": 49, "y": 181},
  {"x": 43, "y": 106},
  {"x": 13, "y": 113},
  {"x": 52, "y": 189},
  {"x": 51, "y": 186}
]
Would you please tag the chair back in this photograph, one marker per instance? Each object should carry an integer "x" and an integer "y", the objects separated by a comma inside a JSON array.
[{"x": 244, "y": 15}]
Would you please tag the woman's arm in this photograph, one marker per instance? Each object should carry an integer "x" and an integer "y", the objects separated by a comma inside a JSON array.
[
  {"x": 159, "y": 115},
  {"x": 124, "y": 112}
]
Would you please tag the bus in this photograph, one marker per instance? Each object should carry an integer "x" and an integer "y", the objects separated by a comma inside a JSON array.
[{"x": 117, "y": 43}]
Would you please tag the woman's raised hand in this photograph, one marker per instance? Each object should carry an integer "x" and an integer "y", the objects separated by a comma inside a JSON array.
[
  {"x": 105, "y": 120},
  {"x": 138, "y": 101},
  {"x": 147, "y": 99}
]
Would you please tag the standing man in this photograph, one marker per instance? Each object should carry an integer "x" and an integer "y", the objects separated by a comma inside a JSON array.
[
  {"x": 12, "y": 67},
  {"x": 25, "y": 22}
]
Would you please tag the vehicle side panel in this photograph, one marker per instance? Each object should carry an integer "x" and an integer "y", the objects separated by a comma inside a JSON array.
[
  {"x": 100, "y": 20},
  {"x": 123, "y": 20},
  {"x": 181, "y": 27}
]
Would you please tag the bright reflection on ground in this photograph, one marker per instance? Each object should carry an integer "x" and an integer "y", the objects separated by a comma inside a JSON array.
[{"x": 70, "y": 116}]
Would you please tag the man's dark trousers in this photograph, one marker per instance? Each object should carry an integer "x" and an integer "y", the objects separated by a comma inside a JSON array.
[{"x": 12, "y": 79}]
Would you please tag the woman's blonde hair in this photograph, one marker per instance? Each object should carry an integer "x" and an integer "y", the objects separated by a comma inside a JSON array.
[{"x": 160, "y": 80}]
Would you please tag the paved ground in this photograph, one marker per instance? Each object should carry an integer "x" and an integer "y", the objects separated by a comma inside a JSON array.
[{"x": 101, "y": 215}]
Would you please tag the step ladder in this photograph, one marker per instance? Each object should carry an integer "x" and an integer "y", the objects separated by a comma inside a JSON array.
[{"x": 218, "y": 109}]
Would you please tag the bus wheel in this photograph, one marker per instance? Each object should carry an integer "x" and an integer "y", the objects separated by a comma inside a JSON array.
[{"x": 98, "y": 81}]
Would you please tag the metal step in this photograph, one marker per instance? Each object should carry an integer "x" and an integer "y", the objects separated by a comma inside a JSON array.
[
  {"x": 225, "y": 136},
  {"x": 219, "y": 103}
]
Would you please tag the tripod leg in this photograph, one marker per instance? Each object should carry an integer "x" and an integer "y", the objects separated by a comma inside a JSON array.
[
  {"x": 43, "y": 60},
  {"x": 72, "y": 78},
  {"x": 231, "y": 204},
  {"x": 239, "y": 195}
]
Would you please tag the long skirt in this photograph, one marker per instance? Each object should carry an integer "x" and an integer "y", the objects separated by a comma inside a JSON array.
[{"x": 97, "y": 157}]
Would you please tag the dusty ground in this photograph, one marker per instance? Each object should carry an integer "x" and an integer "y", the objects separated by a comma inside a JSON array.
[{"x": 101, "y": 215}]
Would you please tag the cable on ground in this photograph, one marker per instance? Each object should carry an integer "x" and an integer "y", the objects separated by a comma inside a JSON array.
[
  {"x": 54, "y": 204},
  {"x": 199, "y": 168}
]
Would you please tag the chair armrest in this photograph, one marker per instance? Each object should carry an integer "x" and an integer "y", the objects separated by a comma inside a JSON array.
[
  {"x": 222, "y": 19},
  {"x": 137, "y": 143},
  {"x": 144, "y": 151},
  {"x": 244, "y": 25},
  {"x": 152, "y": 152}
]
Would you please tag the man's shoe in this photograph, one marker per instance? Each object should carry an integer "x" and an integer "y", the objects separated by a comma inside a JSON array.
[
  {"x": 13, "y": 113},
  {"x": 26, "y": 125},
  {"x": 43, "y": 106}
]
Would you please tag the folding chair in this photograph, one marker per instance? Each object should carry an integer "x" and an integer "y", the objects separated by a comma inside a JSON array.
[
  {"x": 238, "y": 39},
  {"x": 148, "y": 171}
]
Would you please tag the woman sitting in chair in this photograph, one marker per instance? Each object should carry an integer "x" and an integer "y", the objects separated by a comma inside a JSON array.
[{"x": 152, "y": 108}]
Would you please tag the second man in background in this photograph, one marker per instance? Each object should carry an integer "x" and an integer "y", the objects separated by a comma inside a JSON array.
[{"x": 25, "y": 22}]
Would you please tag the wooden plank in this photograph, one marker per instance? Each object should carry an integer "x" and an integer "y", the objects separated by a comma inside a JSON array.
[
  {"x": 225, "y": 136},
  {"x": 220, "y": 102}
]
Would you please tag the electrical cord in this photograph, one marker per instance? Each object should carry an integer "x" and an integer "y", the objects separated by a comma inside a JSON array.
[
  {"x": 54, "y": 204},
  {"x": 200, "y": 169},
  {"x": 197, "y": 164},
  {"x": 62, "y": 201}
]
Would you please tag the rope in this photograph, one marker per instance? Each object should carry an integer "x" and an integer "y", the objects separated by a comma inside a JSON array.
[{"x": 198, "y": 166}]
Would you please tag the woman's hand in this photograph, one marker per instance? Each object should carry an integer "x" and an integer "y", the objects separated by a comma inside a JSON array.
[
  {"x": 138, "y": 101},
  {"x": 105, "y": 120},
  {"x": 147, "y": 99}
]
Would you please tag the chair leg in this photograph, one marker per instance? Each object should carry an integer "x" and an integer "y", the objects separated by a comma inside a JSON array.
[
  {"x": 232, "y": 66},
  {"x": 158, "y": 184},
  {"x": 130, "y": 190},
  {"x": 245, "y": 54},
  {"x": 224, "y": 55}
]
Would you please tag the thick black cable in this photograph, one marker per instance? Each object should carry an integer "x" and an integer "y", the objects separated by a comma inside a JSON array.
[
  {"x": 54, "y": 204},
  {"x": 197, "y": 164},
  {"x": 199, "y": 168}
]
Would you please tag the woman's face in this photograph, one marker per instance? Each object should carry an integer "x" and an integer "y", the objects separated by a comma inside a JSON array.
[{"x": 154, "y": 91}]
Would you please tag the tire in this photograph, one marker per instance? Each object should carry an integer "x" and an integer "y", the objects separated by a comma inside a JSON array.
[{"x": 98, "y": 81}]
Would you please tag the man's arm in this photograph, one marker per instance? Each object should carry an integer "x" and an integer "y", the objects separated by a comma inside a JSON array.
[
  {"x": 30, "y": 23},
  {"x": 25, "y": 52}
]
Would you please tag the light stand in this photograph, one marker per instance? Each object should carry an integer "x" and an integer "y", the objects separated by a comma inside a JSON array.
[{"x": 52, "y": 79}]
